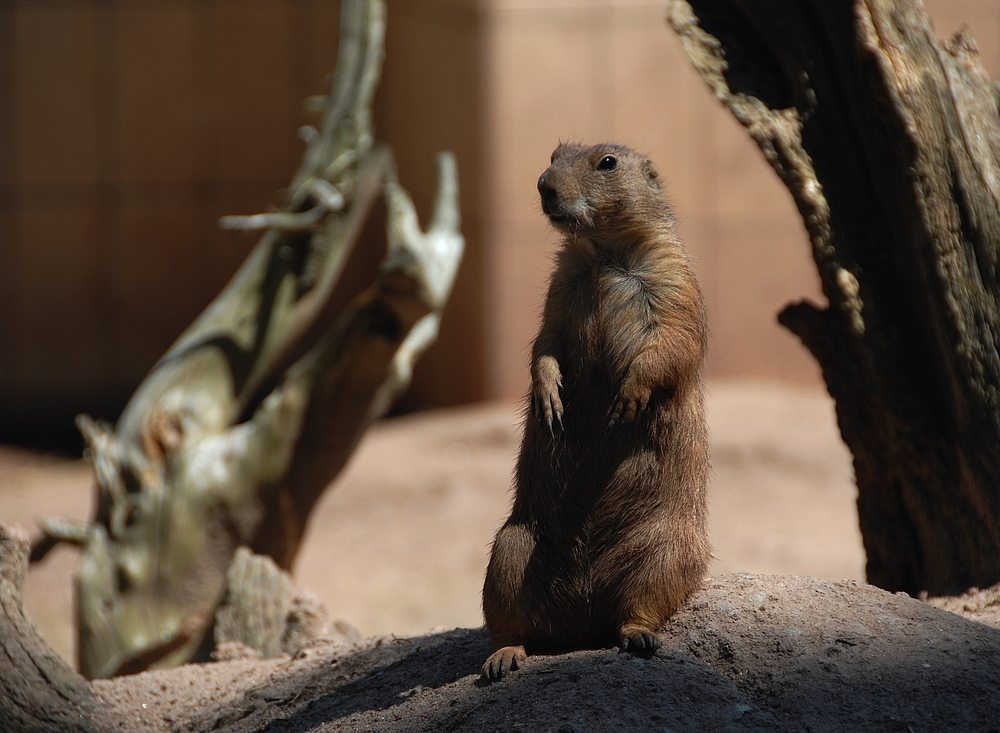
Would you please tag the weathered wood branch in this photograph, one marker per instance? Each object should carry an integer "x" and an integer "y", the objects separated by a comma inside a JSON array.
[
  {"x": 236, "y": 431},
  {"x": 258, "y": 599},
  {"x": 39, "y": 693},
  {"x": 889, "y": 142},
  {"x": 263, "y": 617}
]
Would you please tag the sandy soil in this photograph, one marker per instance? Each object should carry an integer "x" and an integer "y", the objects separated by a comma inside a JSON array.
[
  {"x": 757, "y": 653},
  {"x": 398, "y": 548},
  {"x": 399, "y": 543}
]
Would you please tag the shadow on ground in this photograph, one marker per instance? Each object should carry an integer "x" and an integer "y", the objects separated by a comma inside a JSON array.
[{"x": 748, "y": 653}]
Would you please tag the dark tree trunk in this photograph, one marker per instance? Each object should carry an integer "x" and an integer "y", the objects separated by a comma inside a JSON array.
[{"x": 890, "y": 143}]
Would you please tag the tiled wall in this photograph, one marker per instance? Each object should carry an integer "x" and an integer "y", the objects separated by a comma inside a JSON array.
[{"x": 127, "y": 128}]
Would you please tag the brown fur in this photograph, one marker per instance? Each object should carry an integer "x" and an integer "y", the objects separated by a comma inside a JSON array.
[{"x": 607, "y": 535}]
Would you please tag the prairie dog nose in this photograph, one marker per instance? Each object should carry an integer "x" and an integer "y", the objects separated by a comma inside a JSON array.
[{"x": 545, "y": 189}]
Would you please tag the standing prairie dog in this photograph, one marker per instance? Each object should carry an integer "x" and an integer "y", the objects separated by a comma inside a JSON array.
[{"x": 607, "y": 535}]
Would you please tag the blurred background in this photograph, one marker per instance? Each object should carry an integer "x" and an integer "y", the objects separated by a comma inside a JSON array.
[{"x": 128, "y": 128}]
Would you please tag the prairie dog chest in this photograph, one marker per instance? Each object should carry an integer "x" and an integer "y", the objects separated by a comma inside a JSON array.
[{"x": 612, "y": 304}]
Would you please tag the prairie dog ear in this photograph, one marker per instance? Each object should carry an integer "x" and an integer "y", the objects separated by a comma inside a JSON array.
[
  {"x": 652, "y": 174},
  {"x": 162, "y": 434}
]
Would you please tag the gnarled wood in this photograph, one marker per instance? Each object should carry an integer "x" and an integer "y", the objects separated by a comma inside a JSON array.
[
  {"x": 39, "y": 693},
  {"x": 255, "y": 610},
  {"x": 236, "y": 431},
  {"x": 890, "y": 143}
]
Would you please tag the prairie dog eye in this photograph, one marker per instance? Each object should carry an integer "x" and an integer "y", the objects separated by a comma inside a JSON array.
[{"x": 607, "y": 163}]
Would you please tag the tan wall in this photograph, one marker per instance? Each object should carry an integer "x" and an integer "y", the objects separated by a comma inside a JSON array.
[
  {"x": 607, "y": 70},
  {"x": 430, "y": 99},
  {"x": 127, "y": 128}
]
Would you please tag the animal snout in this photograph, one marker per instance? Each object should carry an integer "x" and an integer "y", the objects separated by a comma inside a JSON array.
[{"x": 547, "y": 192}]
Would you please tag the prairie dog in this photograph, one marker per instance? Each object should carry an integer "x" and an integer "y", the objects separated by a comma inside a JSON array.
[{"x": 607, "y": 535}]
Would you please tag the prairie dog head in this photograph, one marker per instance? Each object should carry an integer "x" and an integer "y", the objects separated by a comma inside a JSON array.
[{"x": 601, "y": 190}]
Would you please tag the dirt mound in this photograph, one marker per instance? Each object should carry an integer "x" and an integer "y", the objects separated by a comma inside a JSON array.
[
  {"x": 748, "y": 653},
  {"x": 401, "y": 545}
]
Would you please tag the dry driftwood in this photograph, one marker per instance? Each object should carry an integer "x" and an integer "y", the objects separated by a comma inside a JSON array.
[
  {"x": 262, "y": 617},
  {"x": 258, "y": 600},
  {"x": 889, "y": 142},
  {"x": 236, "y": 431},
  {"x": 38, "y": 692}
]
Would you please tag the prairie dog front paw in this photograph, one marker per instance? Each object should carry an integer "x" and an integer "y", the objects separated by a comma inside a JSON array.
[
  {"x": 545, "y": 384},
  {"x": 633, "y": 398}
]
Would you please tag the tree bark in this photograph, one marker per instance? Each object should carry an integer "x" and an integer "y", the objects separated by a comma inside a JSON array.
[
  {"x": 258, "y": 598},
  {"x": 39, "y": 693},
  {"x": 889, "y": 142}
]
